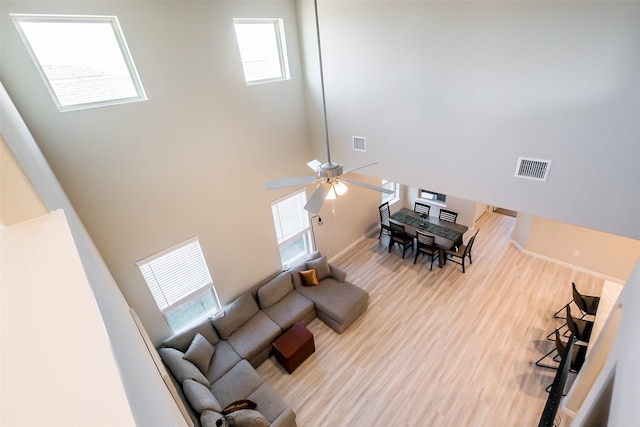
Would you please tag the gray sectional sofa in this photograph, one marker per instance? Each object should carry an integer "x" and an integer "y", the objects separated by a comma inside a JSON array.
[{"x": 213, "y": 362}]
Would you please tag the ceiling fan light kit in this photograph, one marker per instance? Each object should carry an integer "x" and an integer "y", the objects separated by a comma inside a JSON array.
[{"x": 329, "y": 185}]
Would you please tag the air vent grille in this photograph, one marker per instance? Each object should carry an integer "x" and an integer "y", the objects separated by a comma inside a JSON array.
[
  {"x": 359, "y": 143},
  {"x": 536, "y": 169}
]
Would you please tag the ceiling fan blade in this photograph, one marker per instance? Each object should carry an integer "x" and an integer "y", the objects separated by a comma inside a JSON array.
[
  {"x": 289, "y": 182},
  {"x": 372, "y": 187},
  {"x": 313, "y": 164},
  {"x": 360, "y": 167},
  {"x": 317, "y": 198}
]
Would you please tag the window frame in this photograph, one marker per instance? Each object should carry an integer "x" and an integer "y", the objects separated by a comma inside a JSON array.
[
  {"x": 195, "y": 292},
  {"x": 283, "y": 60},
  {"x": 119, "y": 39},
  {"x": 305, "y": 232},
  {"x": 391, "y": 198}
]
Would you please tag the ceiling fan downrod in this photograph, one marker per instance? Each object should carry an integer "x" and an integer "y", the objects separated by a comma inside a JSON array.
[{"x": 324, "y": 102}]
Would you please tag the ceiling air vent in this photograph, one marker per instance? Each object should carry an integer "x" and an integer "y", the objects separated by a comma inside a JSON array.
[
  {"x": 359, "y": 143},
  {"x": 536, "y": 169}
]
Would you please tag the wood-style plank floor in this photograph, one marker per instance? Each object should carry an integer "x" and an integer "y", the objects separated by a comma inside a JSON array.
[{"x": 436, "y": 348}]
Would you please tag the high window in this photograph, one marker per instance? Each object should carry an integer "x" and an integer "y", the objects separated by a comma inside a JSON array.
[
  {"x": 181, "y": 284},
  {"x": 262, "y": 50},
  {"x": 391, "y": 198},
  {"x": 292, "y": 228},
  {"x": 84, "y": 60},
  {"x": 432, "y": 195}
]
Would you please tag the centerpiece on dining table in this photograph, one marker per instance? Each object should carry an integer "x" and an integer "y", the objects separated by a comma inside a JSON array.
[{"x": 423, "y": 218}]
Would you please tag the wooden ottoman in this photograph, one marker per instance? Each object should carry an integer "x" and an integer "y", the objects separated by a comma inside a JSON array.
[{"x": 294, "y": 347}]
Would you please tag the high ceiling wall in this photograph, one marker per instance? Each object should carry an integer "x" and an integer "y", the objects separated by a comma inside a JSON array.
[{"x": 450, "y": 94}]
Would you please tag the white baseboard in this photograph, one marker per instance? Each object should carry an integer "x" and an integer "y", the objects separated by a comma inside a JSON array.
[{"x": 566, "y": 264}]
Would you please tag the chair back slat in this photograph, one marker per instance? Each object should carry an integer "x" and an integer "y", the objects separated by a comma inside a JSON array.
[
  {"x": 446, "y": 215},
  {"x": 424, "y": 239},
  {"x": 384, "y": 212},
  {"x": 467, "y": 249},
  {"x": 421, "y": 208},
  {"x": 397, "y": 230}
]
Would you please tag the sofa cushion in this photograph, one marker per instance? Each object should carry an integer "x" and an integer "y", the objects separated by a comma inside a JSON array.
[
  {"x": 200, "y": 353},
  {"x": 244, "y": 418},
  {"x": 291, "y": 309},
  {"x": 309, "y": 277},
  {"x": 199, "y": 396},
  {"x": 181, "y": 341},
  {"x": 210, "y": 418},
  {"x": 222, "y": 361},
  {"x": 337, "y": 273},
  {"x": 234, "y": 315},
  {"x": 342, "y": 302},
  {"x": 254, "y": 336},
  {"x": 274, "y": 290},
  {"x": 321, "y": 266},
  {"x": 181, "y": 368},
  {"x": 270, "y": 404},
  {"x": 237, "y": 384}
]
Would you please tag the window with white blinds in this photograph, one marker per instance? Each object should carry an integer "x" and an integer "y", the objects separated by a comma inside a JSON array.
[
  {"x": 293, "y": 231},
  {"x": 180, "y": 283}
]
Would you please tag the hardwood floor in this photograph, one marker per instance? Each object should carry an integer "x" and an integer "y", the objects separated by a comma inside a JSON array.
[{"x": 436, "y": 348}]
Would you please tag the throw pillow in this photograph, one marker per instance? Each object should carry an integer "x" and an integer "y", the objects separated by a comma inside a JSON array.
[
  {"x": 321, "y": 266},
  {"x": 200, "y": 353},
  {"x": 243, "y": 418},
  {"x": 309, "y": 278},
  {"x": 181, "y": 368},
  {"x": 199, "y": 396}
]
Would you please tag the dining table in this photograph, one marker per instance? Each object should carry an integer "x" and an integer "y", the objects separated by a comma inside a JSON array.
[{"x": 446, "y": 234}]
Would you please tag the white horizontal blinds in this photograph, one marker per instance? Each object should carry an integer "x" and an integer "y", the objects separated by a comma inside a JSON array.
[
  {"x": 289, "y": 216},
  {"x": 175, "y": 274}
]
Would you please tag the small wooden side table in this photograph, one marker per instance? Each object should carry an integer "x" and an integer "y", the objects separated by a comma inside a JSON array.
[{"x": 294, "y": 347}]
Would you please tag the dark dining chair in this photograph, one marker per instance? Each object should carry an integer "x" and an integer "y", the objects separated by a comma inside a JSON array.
[
  {"x": 588, "y": 304},
  {"x": 421, "y": 208},
  {"x": 446, "y": 215},
  {"x": 461, "y": 252},
  {"x": 384, "y": 218},
  {"x": 425, "y": 244},
  {"x": 577, "y": 359},
  {"x": 400, "y": 236},
  {"x": 570, "y": 358},
  {"x": 579, "y": 327}
]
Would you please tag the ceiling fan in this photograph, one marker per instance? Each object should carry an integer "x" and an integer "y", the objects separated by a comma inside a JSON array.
[{"x": 329, "y": 175}]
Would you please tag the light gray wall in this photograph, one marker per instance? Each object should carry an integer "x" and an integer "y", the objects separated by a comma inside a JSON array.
[
  {"x": 451, "y": 93},
  {"x": 192, "y": 160}
]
